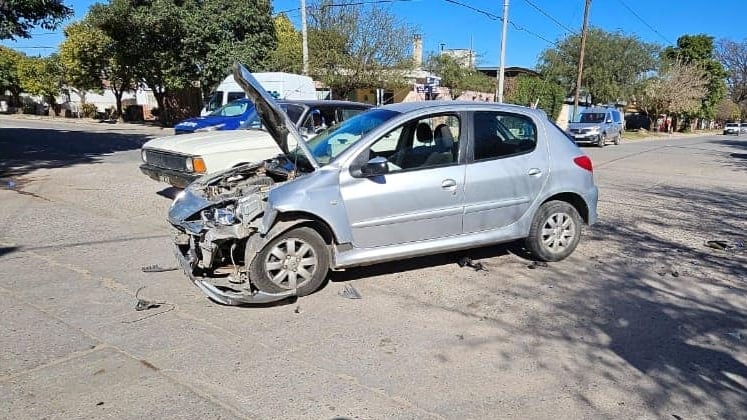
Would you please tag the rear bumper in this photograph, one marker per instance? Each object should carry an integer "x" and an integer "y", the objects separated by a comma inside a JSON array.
[{"x": 175, "y": 178}]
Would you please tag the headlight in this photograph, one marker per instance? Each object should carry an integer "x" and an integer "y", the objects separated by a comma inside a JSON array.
[
  {"x": 211, "y": 128},
  {"x": 143, "y": 155},
  {"x": 196, "y": 164},
  {"x": 222, "y": 216}
]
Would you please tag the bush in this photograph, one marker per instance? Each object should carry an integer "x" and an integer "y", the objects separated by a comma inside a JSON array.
[{"x": 88, "y": 110}]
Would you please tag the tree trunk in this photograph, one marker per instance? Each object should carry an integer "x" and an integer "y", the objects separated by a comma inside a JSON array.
[{"x": 118, "y": 101}]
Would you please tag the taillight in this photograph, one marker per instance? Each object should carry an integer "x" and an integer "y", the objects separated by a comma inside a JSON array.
[{"x": 584, "y": 162}]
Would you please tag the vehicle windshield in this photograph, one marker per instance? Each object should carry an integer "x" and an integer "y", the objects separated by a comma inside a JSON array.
[
  {"x": 591, "y": 117},
  {"x": 232, "y": 109},
  {"x": 330, "y": 143}
]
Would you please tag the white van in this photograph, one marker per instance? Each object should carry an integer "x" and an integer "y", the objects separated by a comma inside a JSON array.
[{"x": 279, "y": 85}]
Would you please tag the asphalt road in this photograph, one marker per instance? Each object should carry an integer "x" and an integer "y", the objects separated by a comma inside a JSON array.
[{"x": 643, "y": 321}]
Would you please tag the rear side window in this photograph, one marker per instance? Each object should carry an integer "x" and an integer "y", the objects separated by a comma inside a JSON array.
[
  {"x": 350, "y": 112},
  {"x": 501, "y": 134}
]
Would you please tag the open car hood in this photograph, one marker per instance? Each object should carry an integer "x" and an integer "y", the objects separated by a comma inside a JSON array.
[{"x": 273, "y": 118}]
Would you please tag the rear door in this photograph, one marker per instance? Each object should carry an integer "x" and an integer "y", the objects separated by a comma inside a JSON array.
[{"x": 508, "y": 167}]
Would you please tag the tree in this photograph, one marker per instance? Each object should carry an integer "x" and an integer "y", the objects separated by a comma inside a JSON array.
[
  {"x": 287, "y": 56},
  {"x": 679, "y": 88},
  {"x": 354, "y": 46},
  {"x": 89, "y": 61},
  {"x": 41, "y": 76},
  {"x": 18, "y": 17},
  {"x": 9, "y": 80},
  {"x": 699, "y": 50},
  {"x": 727, "y": 110},
  {"x": 458, "y": 77},
  {"x": 613, "y": 64},
  {"x": 529, "y": 90},
  {"x": 733, "y": 56},
  {"x": 216, "y": 33}
]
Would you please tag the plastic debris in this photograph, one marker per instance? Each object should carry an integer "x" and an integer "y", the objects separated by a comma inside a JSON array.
[
  {"x": 349, "y": 292},
  {"x": 534, "y": 264},
  {"x": 467, "y": 262},
  {"x": 720, "y": 245},
  {"x": 155, "y": 268},
  {"x": 735, "y": 334}
]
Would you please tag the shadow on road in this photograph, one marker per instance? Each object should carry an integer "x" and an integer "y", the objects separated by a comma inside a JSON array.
[{"x": 24, "y": 150}]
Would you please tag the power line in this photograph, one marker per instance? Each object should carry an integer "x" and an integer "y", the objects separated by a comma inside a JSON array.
[
  {"x": 356, "y": 3},
  {"x": 549, "y": 16},
  {"x": 644, "y": 22}
]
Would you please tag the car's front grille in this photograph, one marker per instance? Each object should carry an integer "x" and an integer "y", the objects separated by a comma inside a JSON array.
[
  {"x": 166, "y": 160},
  {"x": 575, "y": 130}
]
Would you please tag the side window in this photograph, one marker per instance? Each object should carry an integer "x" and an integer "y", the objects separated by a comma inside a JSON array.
[
  {"x": 423, "y": 143},
  {"x": 350, "y": 112},
  {"x": 232, "y": 96},
  {"x": 215, "y": 101},
  {"x": 502, "y": 134}
]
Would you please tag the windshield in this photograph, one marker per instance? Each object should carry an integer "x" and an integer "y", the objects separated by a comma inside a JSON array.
[
  {"x": 330, "y": 143},
  {"x": 591, "y": 117},
  {"x": 232, "y": 109}
]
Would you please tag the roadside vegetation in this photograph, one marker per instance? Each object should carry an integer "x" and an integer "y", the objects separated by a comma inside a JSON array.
[{"x": 182, "y": 46}]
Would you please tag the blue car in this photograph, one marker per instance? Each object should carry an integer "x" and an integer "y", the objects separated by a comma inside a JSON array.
[{"x": 231, "y": 116}]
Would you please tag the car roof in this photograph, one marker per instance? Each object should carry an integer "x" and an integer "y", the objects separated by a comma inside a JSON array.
[
  {"x": 321, "y": 103},
  {"x": 405, "y": 107}
]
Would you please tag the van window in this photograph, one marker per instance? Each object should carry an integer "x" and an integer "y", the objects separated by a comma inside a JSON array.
[
  {"x": 592, "y": 117},
  {"x": 232, "y": 96},
  {"x": 215, "y": 101}
]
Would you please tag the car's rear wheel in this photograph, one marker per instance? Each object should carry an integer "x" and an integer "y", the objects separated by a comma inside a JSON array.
[
  {"x": 555, "y": 231},
  {"x": 298, "y": 257}
]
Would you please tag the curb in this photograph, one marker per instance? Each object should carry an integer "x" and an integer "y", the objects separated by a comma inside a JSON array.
[{"x": 83, "y": 121}]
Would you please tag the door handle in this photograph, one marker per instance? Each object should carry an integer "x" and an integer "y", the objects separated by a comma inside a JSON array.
[
  {"x": 449, "y": 184},
  {"x": 534, "y": 172}
]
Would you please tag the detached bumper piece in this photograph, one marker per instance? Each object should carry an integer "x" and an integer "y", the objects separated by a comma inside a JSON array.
[{"x": 224, "y": 294}]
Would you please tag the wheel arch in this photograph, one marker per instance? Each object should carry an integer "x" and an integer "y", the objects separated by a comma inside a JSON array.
[{"x": 575, "y": 200}]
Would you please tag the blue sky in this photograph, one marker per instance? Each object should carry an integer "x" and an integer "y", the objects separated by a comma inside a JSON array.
[{"x": 532, "y": 31}]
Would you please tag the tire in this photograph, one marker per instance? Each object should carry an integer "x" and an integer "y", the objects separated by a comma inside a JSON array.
[
  {"x": 270, "y": 269},
  {"x": 618, "y": 139},
  {"x": 602, "y": 140},
  {"x": 555, "y": 231}
]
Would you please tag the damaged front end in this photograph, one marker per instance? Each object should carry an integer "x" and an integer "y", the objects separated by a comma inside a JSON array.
[{"x": 215, "y": 217}]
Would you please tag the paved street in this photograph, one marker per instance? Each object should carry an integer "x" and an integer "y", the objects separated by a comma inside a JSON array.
[{"x": 642, "y": 321}]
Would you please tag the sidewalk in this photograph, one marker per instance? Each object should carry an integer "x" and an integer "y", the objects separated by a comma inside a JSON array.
[
  {"x": 146, "y": 125},
  {"x": 653, "y": 135}
]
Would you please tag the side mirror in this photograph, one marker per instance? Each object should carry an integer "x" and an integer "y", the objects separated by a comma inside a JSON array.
[
  {"x": 609, "y": 121},
  {"x": 375, "y": 167}
]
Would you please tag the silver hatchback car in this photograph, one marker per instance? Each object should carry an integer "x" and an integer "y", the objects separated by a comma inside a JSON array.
[{"x": 399, "y": 181}]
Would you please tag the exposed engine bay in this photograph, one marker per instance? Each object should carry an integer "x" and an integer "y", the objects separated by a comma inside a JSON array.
[{"x": 215, "y": 216}]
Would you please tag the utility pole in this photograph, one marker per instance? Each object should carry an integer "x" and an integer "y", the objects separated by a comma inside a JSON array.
[
  {"x": 304, "y": 39},
  {"x": 587, "y": 6},
  {"x": 502, "y": 66}
]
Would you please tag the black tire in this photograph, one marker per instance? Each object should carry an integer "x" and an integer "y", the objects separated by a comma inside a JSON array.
[
  {"x": 555, "y": 231},
  {"x": 270, "y": 273},
  {"x": 618, "y": 139},
  {"x": 602, "y": 140}
]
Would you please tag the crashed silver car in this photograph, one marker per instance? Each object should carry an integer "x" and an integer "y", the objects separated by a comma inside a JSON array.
[{"x": 399, "y": 181}]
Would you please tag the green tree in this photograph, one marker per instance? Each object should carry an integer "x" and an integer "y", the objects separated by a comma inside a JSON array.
[
  {"x": 287, "y": 56},
  {"x": 613, "y": 64},
  {"x": 216, "y": 33},
  {"x": 9, "y": 80},
  {"x": 699, "y": 50},
  {"x": 89, "y": 62},
  {"x": 18, "y": 17},
  {"x": 41, "y": 76},
  {"x": 458, "y": 77},
  {"x": 531, "y": 90},
  {"x": 348, "y": 49}
]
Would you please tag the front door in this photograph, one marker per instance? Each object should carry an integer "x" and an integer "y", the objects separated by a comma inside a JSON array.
[{"x": 420, "y": 198}]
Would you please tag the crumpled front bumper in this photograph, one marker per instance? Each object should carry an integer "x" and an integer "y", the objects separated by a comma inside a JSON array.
[{"x": 227, "y": 297}]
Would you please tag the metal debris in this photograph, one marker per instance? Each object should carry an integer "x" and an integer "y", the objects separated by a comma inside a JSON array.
[
  {"x": 735, "y": 334},
  {"x": 720, "y": 245},
  {"x": 349, "y": 292},
  {"x": 467, "y": 262},
  {"x": 143, "y": 305},
  {"x": 155, "y": 268},
  {"x": 534, "y": 264}
]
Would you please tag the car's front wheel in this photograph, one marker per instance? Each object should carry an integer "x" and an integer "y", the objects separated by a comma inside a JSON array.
[
  {"x": 555, "y": 231},
  {"x": 296, "y": 259},
  {"x": 602, "y": 140}
]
